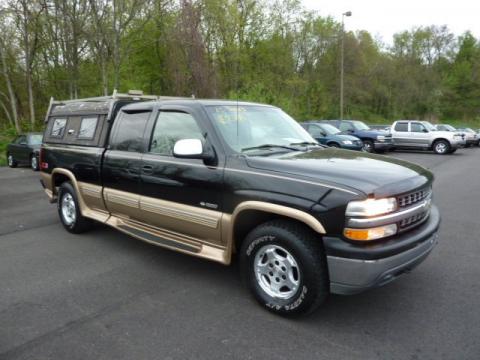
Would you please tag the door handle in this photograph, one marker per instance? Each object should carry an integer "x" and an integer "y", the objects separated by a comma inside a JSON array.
[{"x": 147, "y": 169}]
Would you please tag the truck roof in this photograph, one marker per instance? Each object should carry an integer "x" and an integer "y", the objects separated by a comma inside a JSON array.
[{"x": 149, "y": 105}]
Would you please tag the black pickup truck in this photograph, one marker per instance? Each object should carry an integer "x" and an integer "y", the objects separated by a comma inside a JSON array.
[{"x": 217, "y": 179}]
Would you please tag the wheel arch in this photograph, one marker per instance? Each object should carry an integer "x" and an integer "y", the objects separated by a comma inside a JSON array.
[
  {"x": 440, "y": 139},
  {"x": 250, "y": 214}
]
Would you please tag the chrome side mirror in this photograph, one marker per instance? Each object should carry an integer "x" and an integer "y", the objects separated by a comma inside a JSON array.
[{"x": 192, "y": 149}]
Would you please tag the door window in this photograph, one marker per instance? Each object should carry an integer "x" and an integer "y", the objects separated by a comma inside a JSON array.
[
  {"x": 171, "y": 127},
  {"x": 20, "y": 140},
  {"x": 401, "y": 127},
  {"x": 417, "y": 127},
  {"x": 316, "y": 131},
  {"x": 129, "y": 132}
]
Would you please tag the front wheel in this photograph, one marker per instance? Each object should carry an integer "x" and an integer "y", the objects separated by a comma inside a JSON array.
[
  {"x": 368, "y": 146},
  {"x": 34, "y": 162},
  {"x": 69, "y": 210},
  {"x": 284, "y": 266},
  {"x": 334, "y": 145},
  {"x": 441, "y": 147},
  {"x": 11, "y": 161}
]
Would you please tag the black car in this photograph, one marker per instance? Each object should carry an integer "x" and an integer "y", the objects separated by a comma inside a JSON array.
[
  {"x": 24, "y": 150},
  {"x": 217, "y": 179}
]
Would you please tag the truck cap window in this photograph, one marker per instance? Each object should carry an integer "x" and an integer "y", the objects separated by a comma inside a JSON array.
[
  {"x": 249, "y": 126},
  {"x": 58, "y": 127},
  {"x": 87, "y": 128},
  {"x": 129, "y": 131},
  {"x": 171, "y": 127}
]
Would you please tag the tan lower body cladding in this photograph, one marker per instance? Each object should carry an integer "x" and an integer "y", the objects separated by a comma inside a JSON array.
[{"x": 189, "y": 229}]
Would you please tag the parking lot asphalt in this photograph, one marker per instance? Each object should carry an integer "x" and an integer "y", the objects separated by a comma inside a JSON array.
[{"x": 104, "y": 295}]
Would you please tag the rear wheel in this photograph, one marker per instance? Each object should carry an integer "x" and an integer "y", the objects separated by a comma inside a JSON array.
[
  {"x": 284, "y": 266},
  {"x": 11, "y": 161},
  {"x": 34, "y": 162},
  {"x": 69, "y": 210},
  {"x": 441, "y": 147}
]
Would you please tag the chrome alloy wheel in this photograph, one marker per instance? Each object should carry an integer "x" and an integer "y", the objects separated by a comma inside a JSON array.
[
  {"x": 10, "y": 160},
  {"x": 68, "y": 209},
  {"x": 277, "y": 272},
  {"x": 34, "y": 162},
  {"x": 441, "y": 147}
]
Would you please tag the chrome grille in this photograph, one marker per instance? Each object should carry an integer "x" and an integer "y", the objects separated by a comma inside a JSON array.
[
  {"x": 412, "y": 220},
  {"x": 413, "y": 197}
]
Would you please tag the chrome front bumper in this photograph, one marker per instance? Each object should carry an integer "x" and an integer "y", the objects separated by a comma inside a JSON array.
[{"x": 354, "y": 269}]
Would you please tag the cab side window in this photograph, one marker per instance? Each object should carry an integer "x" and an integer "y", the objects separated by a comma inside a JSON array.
[
  {"x": 401, "y": 127},
  {"x": 170, "y": 127},
  {"x": 129, "y": 132},
  {"x": 417, "y": 127}
]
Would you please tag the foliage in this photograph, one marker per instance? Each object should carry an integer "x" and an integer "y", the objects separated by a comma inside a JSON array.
[{"x": 271, "y": 51}]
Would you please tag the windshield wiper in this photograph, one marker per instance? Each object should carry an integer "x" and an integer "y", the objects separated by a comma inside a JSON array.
[
  {"x": 305, "y": 143},
  {"x": 269, "y": 146}
]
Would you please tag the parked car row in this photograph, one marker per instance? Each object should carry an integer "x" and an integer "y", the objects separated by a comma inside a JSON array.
[
  {"x": 360, "y": 135},
  {"x": 402, "y": 134}
]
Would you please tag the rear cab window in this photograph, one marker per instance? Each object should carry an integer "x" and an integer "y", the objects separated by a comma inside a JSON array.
[{"x": 128, "y": 133}]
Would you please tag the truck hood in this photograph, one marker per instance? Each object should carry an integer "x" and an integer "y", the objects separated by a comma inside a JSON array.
[{"x": 370, "y": 174}]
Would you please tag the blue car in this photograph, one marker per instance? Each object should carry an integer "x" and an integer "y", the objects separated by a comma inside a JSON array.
[
  {"x": 329, "y": 135},
  {"x": 373, "y": 140}
]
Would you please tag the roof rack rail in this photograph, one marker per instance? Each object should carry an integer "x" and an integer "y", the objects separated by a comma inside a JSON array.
[{"x": 131, "y": 94}]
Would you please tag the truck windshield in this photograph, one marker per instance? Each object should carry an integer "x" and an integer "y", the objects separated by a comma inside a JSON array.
[
  {"x": 360, "y": 125},
  {"x": 249, "y": 127}
]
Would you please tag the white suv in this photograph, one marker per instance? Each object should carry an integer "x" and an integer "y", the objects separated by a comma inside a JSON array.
[{"x": 416, "y": 134}]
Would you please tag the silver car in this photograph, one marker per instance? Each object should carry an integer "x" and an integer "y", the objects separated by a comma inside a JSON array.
[{"x": 421, "y": 135}]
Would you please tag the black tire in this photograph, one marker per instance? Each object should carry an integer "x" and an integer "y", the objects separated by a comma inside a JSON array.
[
  {"x": 441, "y": 147},
  {"x": 34, "y": 162},
  {"x": 368, "y": 146},
  {"x": 80, "y": 223},
  {"x": 335, "y": 145},
  {"x": 306, "y": 249},
  {"x": 11, "y": 161}
]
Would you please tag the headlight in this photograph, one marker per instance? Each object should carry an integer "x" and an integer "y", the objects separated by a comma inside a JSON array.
[
  {"x": 347, "y": 142},
  {"x": 371, "y": 207},
  {"x": 381, "y": 138},
  {"x": 370, "y": 234}
]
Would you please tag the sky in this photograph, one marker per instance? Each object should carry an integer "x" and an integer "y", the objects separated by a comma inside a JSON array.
[{"x": 385, "y": 18}]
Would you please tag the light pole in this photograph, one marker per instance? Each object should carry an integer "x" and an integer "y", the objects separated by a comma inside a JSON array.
[{"x": 348, "y": 13}]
